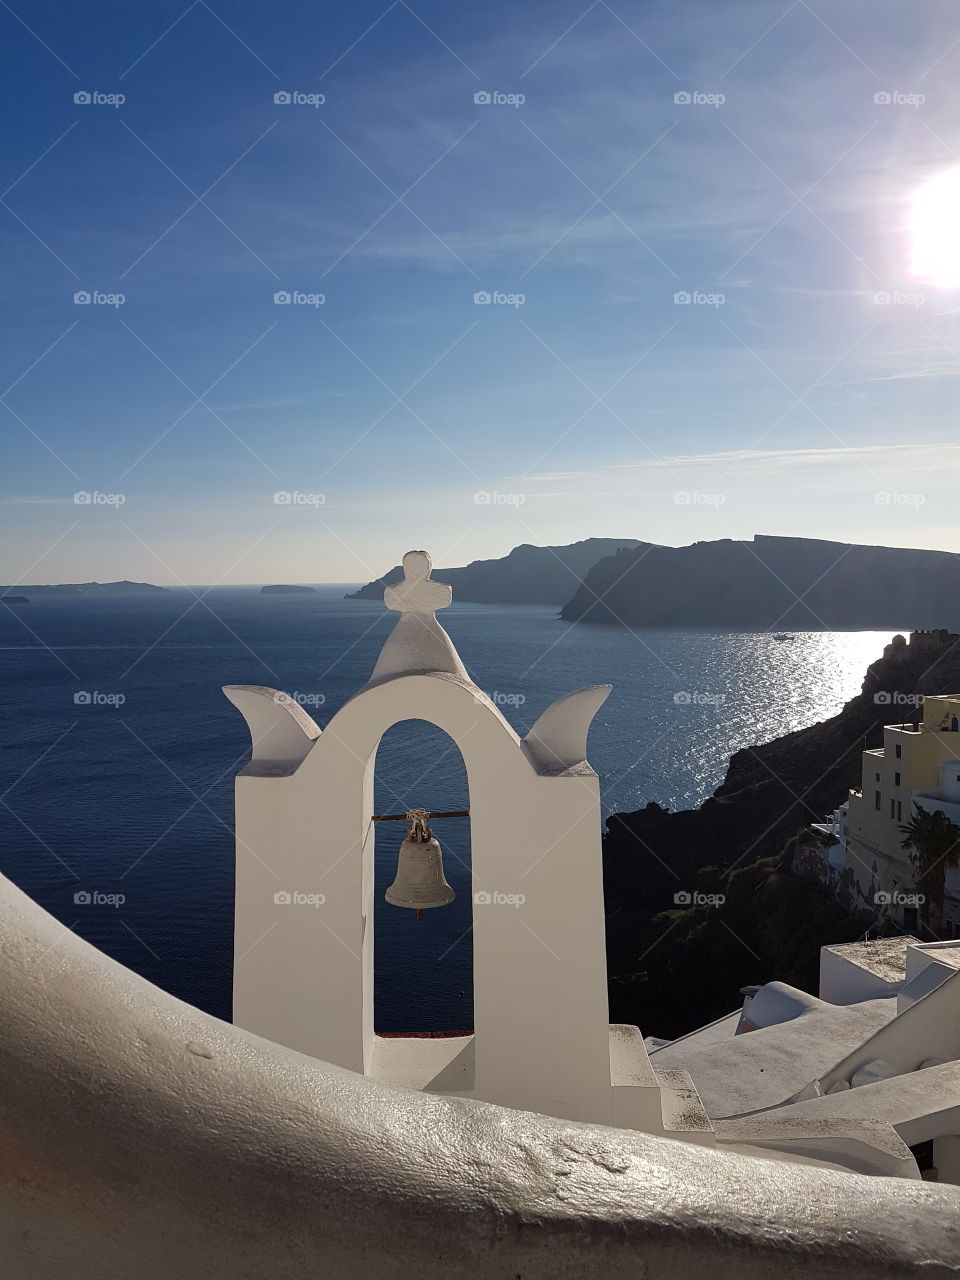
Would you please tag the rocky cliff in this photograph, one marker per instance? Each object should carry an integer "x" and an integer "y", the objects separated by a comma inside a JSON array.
[
  {"x": 528, "y": 575},
  {"x": 675, "y": 965},
  {"x": 799, "y": 584}
]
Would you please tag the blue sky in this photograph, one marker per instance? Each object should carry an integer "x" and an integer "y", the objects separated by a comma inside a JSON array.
[{"x": 808, "y": 387}]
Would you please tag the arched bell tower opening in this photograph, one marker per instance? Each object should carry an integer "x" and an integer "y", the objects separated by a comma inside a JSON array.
[
  {"x": 423, "y": 970},
  {"x": 313, "y": 864}
]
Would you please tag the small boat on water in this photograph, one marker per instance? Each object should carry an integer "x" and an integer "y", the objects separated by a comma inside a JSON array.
[{"x": 782, "y": 636}]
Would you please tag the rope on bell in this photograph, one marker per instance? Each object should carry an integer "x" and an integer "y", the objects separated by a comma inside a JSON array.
[{"x": 419, "y": 830}]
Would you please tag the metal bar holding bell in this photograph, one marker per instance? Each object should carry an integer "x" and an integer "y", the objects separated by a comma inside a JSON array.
[{"x": 402, "y": 817}]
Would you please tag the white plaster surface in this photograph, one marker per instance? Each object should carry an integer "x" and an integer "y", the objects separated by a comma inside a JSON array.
[
  {"x": 765, "y": 1068},
  {"x": 930, "y": 1028},
  {"x": 946, "y": 1159},
  {"x": 281, "y": 731},
  {"x": 418, "y": 642},
  {"x": 142, "y": 1138},
  {"x": 851, "y": 972},
  {"x": 722, "y": 1029},
  {"x": 922, "y": 983},
  {"x": 779, "y": 1002},
  {"x": 304, "y": 808},
  {"x": 922, "y": 954},
  {"x": 917, "y": 1106},
  {"x": 304, "y": 977}
]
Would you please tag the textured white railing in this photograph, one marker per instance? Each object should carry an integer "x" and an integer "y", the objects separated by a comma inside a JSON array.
[{"x": 143, "y": 1140}]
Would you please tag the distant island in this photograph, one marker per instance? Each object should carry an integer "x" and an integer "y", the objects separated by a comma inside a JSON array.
[
  {"x": 791, "y": 584},
  {"x": 528, "y": 575},
  {"x": 14, "y": 599},
  {"x": 124, "y": 588},
  {"x": 284, "y": 589}
]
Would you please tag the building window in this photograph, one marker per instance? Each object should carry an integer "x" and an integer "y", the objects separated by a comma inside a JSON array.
[
  {"x": 877, "y": 777},
  {"x": 892, "y": 807},
  {"x": 899, "y": 750},
  {"x": 910, "y": 919},
  {"x": 876, "y": 799},
  {"x": 896, "y": 779},
  {"x": 899, "y": 811}
]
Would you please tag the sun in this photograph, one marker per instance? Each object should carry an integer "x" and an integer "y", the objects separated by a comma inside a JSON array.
[{"x": 934, "y": 227}]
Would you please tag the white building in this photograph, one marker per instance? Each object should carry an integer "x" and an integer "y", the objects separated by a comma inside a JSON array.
[
  {"x": 870, "y": 1068},
  {"x": 918, "y": 764}
]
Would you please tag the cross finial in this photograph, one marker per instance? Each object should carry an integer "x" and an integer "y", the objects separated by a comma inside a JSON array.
[
  {"x": 418, "y": 642},
  {"x": 415, "y": 593}
]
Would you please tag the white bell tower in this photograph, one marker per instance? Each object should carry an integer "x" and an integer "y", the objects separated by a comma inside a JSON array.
[{"x": 304, "y": 946}]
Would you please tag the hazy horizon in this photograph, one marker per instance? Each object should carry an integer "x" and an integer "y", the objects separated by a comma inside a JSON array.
[{"x": 359, "y": 582}]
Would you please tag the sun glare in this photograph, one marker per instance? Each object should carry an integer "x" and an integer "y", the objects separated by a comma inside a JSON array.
[{"x": 934, "y": 226}]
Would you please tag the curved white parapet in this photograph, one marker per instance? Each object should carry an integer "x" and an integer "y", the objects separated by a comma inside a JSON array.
[
  {"x": 558, "y": 740},
  {"x": 142, "y": 1138},
  {"x": 281, "y": 732}
]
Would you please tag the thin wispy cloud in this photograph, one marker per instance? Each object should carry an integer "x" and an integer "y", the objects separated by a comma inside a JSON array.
[{"x": 630, "y": 256}]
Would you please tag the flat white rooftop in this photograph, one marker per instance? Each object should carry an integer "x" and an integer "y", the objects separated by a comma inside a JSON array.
[
  {"x": 738, "y": 1075},
  {"x": 886, "y": 957}
]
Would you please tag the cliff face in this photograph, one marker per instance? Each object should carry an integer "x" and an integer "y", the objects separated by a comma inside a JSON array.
[
  {"x": 799, "y": 584},
  {"x": 528, "y": 575},
  {"x": 674, "y": 967}
]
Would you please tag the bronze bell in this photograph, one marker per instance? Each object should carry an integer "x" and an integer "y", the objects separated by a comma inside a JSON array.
[{"x": 419, "y": 882}]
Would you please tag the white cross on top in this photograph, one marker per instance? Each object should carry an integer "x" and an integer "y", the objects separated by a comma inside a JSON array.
[{"x": 415, "y": 593}]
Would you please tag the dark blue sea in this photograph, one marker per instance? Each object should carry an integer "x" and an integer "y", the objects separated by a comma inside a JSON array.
[{"x": 118, "y": 753}]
